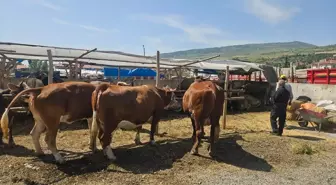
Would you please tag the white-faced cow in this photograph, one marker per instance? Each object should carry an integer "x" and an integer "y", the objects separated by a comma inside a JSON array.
[{"x": 127, "y": 108}]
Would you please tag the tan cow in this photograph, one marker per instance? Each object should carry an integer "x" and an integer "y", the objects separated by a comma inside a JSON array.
[
  {"x": 204, "y": 100},
  {"x": 66, "y": 102},
  {"x": 127, "y": 108}
]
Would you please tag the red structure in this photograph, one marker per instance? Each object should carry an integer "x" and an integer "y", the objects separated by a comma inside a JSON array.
[{"x": 321, "y": 76}]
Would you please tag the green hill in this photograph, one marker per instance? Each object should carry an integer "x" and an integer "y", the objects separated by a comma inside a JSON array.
[
  {"x": 279, "y": 53},
  {"x": 238, "y": 50}
]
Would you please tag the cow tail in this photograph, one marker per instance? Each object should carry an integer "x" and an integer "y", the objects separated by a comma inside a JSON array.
[
  {"x": 5, "y": 119},
  {"x": 95, "y": 105}
]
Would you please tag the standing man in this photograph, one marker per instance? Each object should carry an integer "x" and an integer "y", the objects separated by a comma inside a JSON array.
[
  {"x": 287, "y": 86},
  {"x": 279, "y": 100}
]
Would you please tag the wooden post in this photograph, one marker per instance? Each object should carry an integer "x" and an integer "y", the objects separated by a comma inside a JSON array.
[
  {"x": 157, "y": 82},
  {"x": 226, "y": 87},
  {"x": 180, "y": 75},
  {"x": 81, "y": 65},
  {"x": 76, "y": 70},
  {"x": 70, "y": 70},
  {"x": 118, "y": 73},
  {"x": 51, "y": 67},
  {"x": 2, "y": 72}
]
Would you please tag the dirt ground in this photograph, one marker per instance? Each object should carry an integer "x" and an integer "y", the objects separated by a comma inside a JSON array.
[{"x": 247, "y": 154}]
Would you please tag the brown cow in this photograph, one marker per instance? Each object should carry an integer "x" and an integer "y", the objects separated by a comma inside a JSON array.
[
  {"x": 125, "y": 107},
  {"x": 66, "y": 102},
  {"x": 203, "y": 100}
]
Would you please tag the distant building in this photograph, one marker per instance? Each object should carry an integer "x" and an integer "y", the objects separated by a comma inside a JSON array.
[{"x": 325, "y": 63}]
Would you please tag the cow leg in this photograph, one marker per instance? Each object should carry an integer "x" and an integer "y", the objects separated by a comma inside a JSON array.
[
  {"x": 50, "y": 139},
  {"x": 155, "y": 121},
  {"x": 137, "y": 136},
  {"x": 198, "y": 125},
  {"x": 10, "y": 139},
  {"x": 193, "y": 137},
  {"x": 93, "y": 135},
  {"x": 202, "y": 133},
  {"x": 214, "y": 134},
  {"x": 36, "y": 132},
  {"x": 106, "y": 138}
]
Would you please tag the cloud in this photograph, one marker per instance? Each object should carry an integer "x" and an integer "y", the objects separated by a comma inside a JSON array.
[
  {"x": 86, "y": 27},
  {"x": 196, "y": 33},
  {"x": 47, "y": 4},
  {"x": 202, "y": 34},
  {"x": 270, "y": 12}
]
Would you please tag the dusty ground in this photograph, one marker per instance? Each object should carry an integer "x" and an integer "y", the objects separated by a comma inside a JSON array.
[{"x": 247, "y": 154}]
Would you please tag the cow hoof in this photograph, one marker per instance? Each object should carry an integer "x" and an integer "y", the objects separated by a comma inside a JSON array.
[
  {"x": 11, "y": 145},
  {"x": 109, "y": 154},
  {"x": 212, "y": 153},
  {"x": 137, "y": 142},
  {"x": 39, "y": 154},
  {"x": 194, "y": 152},
  {"x": 94, "y": 150},
  {"x": 60, "y": 161},
  {"x": 153, "y": 143}
]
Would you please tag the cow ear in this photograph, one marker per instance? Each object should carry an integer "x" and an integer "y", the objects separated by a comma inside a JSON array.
[{"x": 13, "y": 87}]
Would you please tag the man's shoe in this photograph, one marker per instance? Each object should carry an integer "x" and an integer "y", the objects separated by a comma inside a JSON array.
[{"x": 274, "y": 132}]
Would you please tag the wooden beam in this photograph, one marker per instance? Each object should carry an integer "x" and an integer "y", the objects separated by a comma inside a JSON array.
[
  {"x": 226, "y": 86},
  {"x": 87, "y": 52},
  {"x": 157, "y": 82},
  {"x": 198, "y": 61},
  {"x": 51, "y": 67}
]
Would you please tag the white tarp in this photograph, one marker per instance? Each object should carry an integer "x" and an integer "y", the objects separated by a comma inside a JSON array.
[
  {"x": 113, "y": 58},
  {"x": 243, "y": 67}
]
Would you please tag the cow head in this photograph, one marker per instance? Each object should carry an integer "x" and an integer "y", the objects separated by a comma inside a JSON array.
[
  {"x": 168, "y": 97},
  {"x": 16, "y": 89}
]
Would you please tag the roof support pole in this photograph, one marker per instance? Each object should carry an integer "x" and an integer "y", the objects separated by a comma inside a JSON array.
[
  {"x": 51, "y": 67},
  {"x": 2, "y": 72},
  {"x": 118, "y": 73},
  {"x": 157, "y": 81},
  {"x": 226, "y": 87}
]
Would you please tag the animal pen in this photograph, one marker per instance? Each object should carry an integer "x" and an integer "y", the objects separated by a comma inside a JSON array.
[{"x": 77, "y": 58}]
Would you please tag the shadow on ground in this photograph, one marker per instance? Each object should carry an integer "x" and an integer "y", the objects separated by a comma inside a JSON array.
[
  {"x": 308, "y": 138},
  {"x": 148, "y": 159},
  {"x": 17, "y": 151}
]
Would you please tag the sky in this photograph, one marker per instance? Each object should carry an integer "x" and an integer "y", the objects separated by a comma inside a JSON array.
[{"x": 170, "y": 25}]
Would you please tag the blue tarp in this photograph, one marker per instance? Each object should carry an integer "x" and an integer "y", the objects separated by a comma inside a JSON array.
[
  {"x": 114, "y": 72},
  {"x": 142, "y": 72}
]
